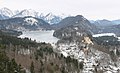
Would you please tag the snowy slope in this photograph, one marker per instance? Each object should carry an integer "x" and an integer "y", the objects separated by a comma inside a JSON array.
[{"x": 31, "y": 21}]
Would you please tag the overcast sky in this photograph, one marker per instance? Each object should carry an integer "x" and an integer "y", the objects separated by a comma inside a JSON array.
[{"x": 90, "y": 9}]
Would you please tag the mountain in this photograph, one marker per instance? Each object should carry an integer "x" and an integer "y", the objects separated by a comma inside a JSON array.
[
  {"x": 24, "y": 23},
  {"x": 5, "y": 13},
  {"x": 91, "y": 21},
  {"x": 116, "y": 21},
  {"x": 73, "y": 28},
  {"x": 51, "y": 18},
  {"x": 79, "y": 21},
  {"x": 117, "y": 26},
  {"x": 103, "y": 23},
  {"x": 106, "y": 26},
  {"x": 26, "y": 12},
  {"x": 115, "y": 29},
  {"x": 74, "y": 20}
]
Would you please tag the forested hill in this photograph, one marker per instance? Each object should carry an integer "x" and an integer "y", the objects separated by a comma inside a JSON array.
[
  {"x": 7, "y": 65},
  {"x": 23, "y": 56}
]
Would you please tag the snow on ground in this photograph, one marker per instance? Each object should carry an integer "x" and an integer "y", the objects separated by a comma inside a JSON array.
[
  {"x": 89, "y": 59},
  {"x": 108, "y": 72},
  {"x": 64, "y": 53},
  {"x": 31, "y": 21}
]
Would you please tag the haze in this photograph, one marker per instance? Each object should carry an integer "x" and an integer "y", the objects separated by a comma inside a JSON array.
[{"x": 91, "y": 9}]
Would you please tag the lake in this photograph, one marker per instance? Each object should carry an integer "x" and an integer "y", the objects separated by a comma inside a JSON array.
[
  {"x": 106, "y": 34},
  {"x": 40, "y": 36}
]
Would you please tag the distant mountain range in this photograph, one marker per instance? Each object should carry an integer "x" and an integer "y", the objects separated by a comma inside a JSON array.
[
  {"x": 28, "y": 19},
  {"x": 107, "y": 26},
  {"x": 116, "y": 21},
  {"x": 6, "y": 13},
  {"x": 51, "y": 18},
  {"x": 105, "y": 22}
]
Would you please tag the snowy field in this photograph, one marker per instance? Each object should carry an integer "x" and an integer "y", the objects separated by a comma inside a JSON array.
[{"x": 40, "y": 36}]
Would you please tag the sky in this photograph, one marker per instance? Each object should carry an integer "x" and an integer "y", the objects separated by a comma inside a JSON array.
[{"x": 90, "y": 9}]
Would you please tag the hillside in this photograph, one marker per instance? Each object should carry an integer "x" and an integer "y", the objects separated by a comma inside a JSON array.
[
  {"x": 99, "y": 55},
  {"x": 29, "y": 56},
  {"x": 79, "y": 19},
  {"x": 24, "y": 23}
]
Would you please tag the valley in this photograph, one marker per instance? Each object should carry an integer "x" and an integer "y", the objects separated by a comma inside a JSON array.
[{"x": 52, "y": 44}]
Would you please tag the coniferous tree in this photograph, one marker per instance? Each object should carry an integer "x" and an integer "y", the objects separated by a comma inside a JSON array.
[{"x": 32, "y": 68}]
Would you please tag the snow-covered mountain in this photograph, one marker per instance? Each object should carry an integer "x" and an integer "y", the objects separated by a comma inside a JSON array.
[
  {"x": 51, "y": 18},
  {"x": 5, "y": 13},
  {"x": 26, "y": 12}
]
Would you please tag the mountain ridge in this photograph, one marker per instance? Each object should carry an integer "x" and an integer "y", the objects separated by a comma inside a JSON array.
[{"x": 51, "y": 18}]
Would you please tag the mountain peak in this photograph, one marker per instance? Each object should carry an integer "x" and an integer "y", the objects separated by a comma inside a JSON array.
[
  {"x": 50, "y": 18},
  {"x": 78, "y": 16},
  {"x": 27, "y": 12},
  {"x": 5, "y": 8},
  {"x": 6, "y": 12},
  {"x": 49, "y": 14}
]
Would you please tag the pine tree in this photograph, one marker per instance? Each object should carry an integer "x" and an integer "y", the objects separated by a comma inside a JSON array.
[
  {"x": 117, "y": 52},
  {"x": 32, "y": 68}
]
